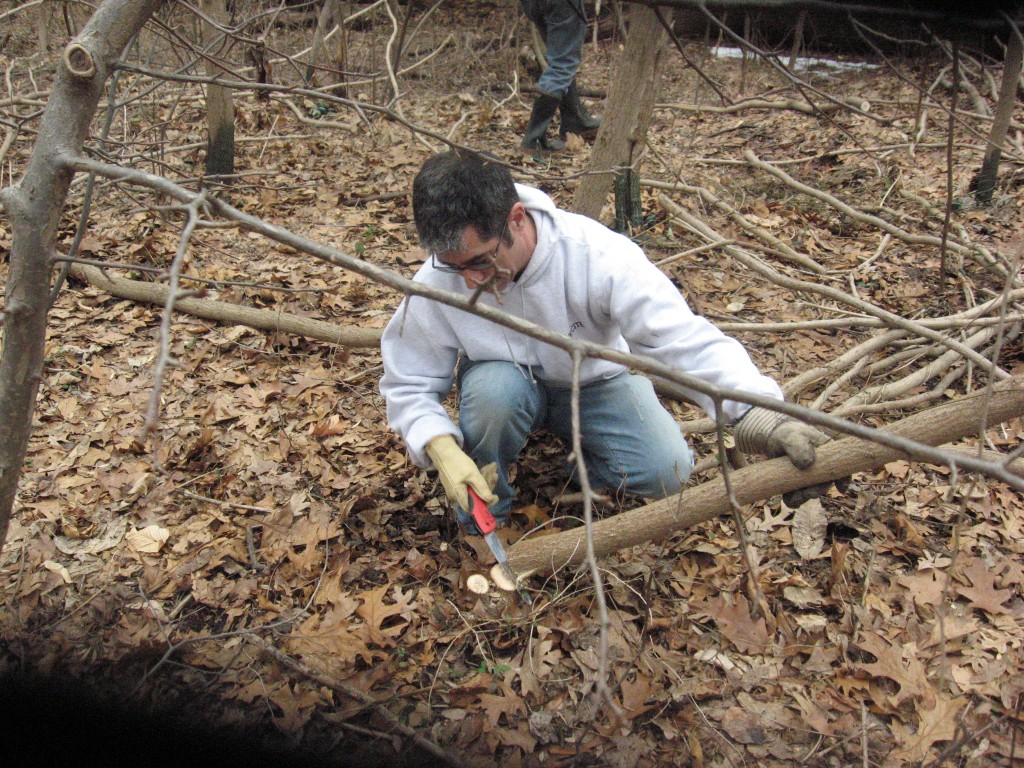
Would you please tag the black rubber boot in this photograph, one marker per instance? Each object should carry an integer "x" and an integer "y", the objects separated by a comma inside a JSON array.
[
  {"x": 536, "y": 139},
  {"x": 575, "y": 118}
]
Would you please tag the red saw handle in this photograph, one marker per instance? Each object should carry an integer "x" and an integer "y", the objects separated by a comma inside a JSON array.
[{"x": 484, "y": 519}]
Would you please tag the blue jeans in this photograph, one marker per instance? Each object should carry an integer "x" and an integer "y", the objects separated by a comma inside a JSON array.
[
  {"x": 563, "y": 27},
  {"x": 630, "y": 442}
]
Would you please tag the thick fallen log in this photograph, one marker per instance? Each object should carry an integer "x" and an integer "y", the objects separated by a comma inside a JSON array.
[
  {"x": 230, "y": 314},
  {"x": 755, "y": 482}
]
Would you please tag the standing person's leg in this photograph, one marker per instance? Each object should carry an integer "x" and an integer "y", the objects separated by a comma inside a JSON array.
[
  {"x": 575, "y": 117},
  {"x": 630, "y": 442},
  {"x": 564, "y": 32},
  {"x": 534, "y": 11},
  {"x": 499, "y": 405},
  {"x": 567, "y": 44},
  {"x": 563, "y": 28}
]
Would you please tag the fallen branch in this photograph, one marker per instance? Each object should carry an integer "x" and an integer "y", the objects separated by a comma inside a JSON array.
[
  {"x": 973, "y": 317},
  {"x": 763, "y": 269},
  {"x": 807, "y": 108},
  {"x": 781, "y": 248},
  {"x": 230, "y": 314},
  {"x": 891, "y": 390},
  {"x": 321, "y": 123},
  {"x": 849, "y": 323},
  {"x": 352, "y": 692},
  {"x": 836, "y": 459},
  {"x": 984, "y": 259}
]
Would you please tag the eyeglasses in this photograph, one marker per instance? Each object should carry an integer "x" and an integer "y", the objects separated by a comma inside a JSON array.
[{"x": 480, "y": 263}]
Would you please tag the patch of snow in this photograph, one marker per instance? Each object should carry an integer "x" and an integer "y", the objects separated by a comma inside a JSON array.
[{"x": 802, "y": 62}]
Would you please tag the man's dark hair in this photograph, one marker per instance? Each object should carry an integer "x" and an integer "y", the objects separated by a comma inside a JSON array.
[{"x": 454, "y": 190}]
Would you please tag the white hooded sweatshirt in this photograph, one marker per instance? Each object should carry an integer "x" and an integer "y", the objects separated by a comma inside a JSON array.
[{"x": 583, "y": 280}]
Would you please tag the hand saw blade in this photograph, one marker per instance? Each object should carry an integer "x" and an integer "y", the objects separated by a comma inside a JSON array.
[{"x": 487, "y": 524}]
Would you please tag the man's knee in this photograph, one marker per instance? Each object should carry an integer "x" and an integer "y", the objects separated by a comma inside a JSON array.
[
  {"x": 669, "y": 478},
  {"x": 497, "y": 394},
  {"x": 653, "y": 470},
  {"x": 665, "y": 475}
]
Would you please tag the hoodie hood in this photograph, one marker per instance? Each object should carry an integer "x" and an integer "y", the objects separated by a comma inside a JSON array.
[{"x": 542, "y": 210}]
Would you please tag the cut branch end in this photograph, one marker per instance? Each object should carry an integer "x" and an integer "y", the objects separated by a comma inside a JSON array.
[{"x": 78, "y": 61}]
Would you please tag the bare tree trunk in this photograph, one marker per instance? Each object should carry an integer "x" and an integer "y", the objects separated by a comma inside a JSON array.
[
  {"x": 744, "y": 61},
  {"x": 332, "y": 15},
  {"x": 220, "y": 108},
  {"x": 43, "y": 28},
  {"x": 836, "y": 459},
  {"x": 341, "y": 48},
  {"x": 627, "y": 115},
  {"x": 263, "y": 66},
  {"x": 34, "y": 206},
  {"x": 954, "y": 45},
  {"x": 323, "y": 23},
  {"x": 399, "y": 47},
  {"x": 798, "y": 38},
  {"x": 985, "y": 182}
]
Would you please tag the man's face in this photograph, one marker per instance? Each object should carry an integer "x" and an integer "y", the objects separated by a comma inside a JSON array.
[{"x": 492, "y": 263}]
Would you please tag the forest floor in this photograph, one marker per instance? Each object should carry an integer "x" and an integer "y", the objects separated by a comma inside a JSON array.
[{"x": 271, "y": 560}]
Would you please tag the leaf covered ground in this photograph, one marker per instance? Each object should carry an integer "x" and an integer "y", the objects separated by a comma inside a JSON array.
[{"x": 270, "y": 558}]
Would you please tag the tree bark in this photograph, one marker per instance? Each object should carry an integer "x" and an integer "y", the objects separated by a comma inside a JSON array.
[
  {"x": 985, "y": 183},
  {"x": 220, "y": 107},
  {"x": 42, "y": 14},
  {"x": 34, "y": 206},
  {"x": 836, "y": 459},
  {"x": 332, "y": 16},
  {"x": 340, "y": 63},
  {"x": 627, "y": 112},
  {"x": 798, "y": 38}
]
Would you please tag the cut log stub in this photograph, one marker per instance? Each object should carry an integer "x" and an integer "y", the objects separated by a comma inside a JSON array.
[
  {"x": 78, "y": 61},
  {"x": 502, "y": 581},
  {"x": 477, "y": 584}
]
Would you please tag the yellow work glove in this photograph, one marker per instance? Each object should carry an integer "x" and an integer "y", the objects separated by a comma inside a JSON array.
[
  {"x": 774, "y": 434},
  {"x": 457, "y": 471}
]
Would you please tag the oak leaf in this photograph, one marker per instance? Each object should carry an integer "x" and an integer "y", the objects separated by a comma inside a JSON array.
[
  {"x": 937, "y": 723},
  {"x": 374, "y": 611},
  {"x": 735, "y": 622},
  {"x": 953, "y": 627},
  {"x": 536, "y": 661},
  {"x": 908, "y": 674},
  {"x": 812, "y": 713},
  {"x": 637, "y": 696},
  {"x": 925, "y": 586},
  {"x": 295, "y": 705},
  {"x": 983, "y": 593},
  {"x": 516, "y": 737},
  {"x": 332, "y": 425},
  {"x": 535, "y": 516},
  {"x": 496, "y": 706},
  {"x": 743, "y": 726},
  {"x": 330, "y": 641}
]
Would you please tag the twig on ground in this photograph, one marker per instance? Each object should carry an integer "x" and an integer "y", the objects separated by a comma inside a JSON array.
[
  {"x": 759, "y": 604},
  {"x": 961, "y": 248},
  {"x": 601, "y": 682},
  {"x": 357, "y": 695},
  {"x": 164, "y": 359}
]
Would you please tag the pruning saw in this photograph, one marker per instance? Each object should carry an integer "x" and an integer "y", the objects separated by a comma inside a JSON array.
[{"x": 488, "y": 525}]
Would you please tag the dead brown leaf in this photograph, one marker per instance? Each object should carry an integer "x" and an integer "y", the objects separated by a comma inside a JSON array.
[
  {"x": 982, "y": 591},
  {"x": 732, "y": 615},
  {"x": 935, "y": 724},
  {"x": 375, "y": 611}
]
